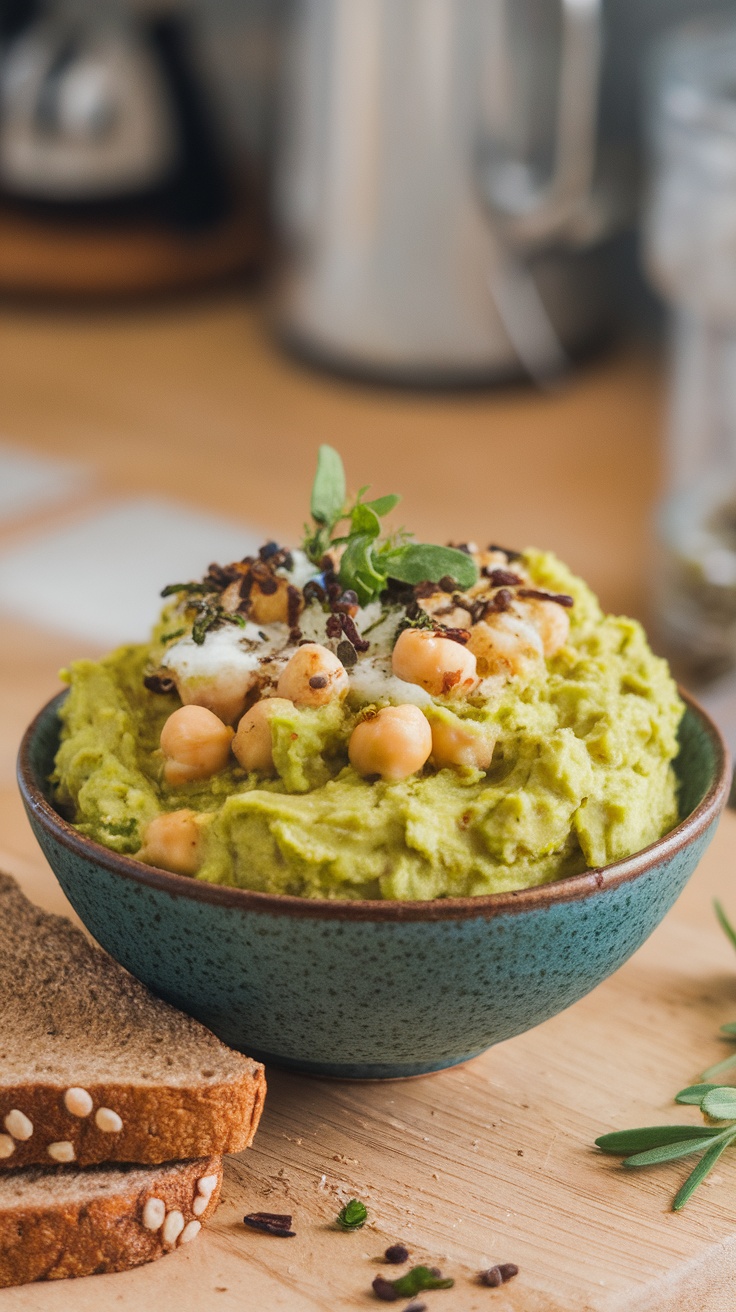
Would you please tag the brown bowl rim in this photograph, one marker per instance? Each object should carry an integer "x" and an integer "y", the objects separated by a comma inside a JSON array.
[{"x": 573, "y": 888}]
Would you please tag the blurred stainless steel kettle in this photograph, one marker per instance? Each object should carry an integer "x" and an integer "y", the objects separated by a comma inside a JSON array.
[{"x": 436, "y": 229}]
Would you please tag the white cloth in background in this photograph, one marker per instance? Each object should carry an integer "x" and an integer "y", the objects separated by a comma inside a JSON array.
[
  {"x": 100, "y": 578},
  {"x": 28, "y": 481}
]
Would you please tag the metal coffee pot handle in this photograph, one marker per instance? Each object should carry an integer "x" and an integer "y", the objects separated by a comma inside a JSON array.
[{"x": 532, "y": 213}]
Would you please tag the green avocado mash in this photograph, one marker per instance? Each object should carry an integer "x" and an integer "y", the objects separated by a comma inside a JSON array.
[{"x": 581, "y": 775}]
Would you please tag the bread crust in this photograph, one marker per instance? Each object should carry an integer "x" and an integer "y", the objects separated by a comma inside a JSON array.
[
  {"x": 159, "y": 1124},
  {"x": 99, "y": 1234}
]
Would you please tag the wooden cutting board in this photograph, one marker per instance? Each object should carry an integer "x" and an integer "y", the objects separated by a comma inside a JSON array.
[{"x": 485, "y": 1163}]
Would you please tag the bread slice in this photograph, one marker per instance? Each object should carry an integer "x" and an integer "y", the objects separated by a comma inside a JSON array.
[
  {"x": 63, "y": 1222},
  {"x": 94, "y": 1068}
]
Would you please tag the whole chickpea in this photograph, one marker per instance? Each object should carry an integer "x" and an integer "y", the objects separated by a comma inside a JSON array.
[
  {"x": 552, "y": 622},
  {"x": 252, "y": 742},
  {"x": 196, "y": 744},
  {"x": 172, "y": 841},
  {"x": 461, "y": 742},
  {"x": 440, "y": 665},
  {"x": 313, "y": 676},
  {"x": 270, "y": 607},
  {"x": 393, "y": 743}
]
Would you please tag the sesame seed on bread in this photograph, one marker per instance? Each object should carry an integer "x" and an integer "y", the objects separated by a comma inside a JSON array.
[
  {"x": 94, "y": 1068},
  {"x": 64, "y": 1222}
]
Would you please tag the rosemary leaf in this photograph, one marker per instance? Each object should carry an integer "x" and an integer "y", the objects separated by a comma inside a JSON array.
[
  {"x": 720, "y": 1067},
  {"x": 704, "y": 1166},
  {"x": 724, "y": 922},
  {"x": 623, "y": 1142},
  {"x": 720, "y": 1103},
  {"x": 670, "y": 1152},
  {"x": 694, "y": 1094}
]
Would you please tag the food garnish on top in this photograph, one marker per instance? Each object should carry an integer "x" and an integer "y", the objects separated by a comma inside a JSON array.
[{"x": 369, "y": 716}]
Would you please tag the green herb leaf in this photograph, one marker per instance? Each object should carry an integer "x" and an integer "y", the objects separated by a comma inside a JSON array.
[
  {"x": 364, "y": 520},
  {"x": 720, "y": 1067},
  {"x": 694, "y": 1094},
  {"x": 724, "y": 922},
  {"x": 670, "y": 1152},
  {"x": 623, "y": 1142},
  {"x": 328, "y": 489},
  {"x": 168, "y": 637},
  {"x": 184, "y": 587},
  {"x": 384, "y": 505},
  {"x": 353, "y": 1215},
  {"x": 419, "y": 1278},
  {"x": 729, "y": 1029},
  {"x": 358, "y": 569},
  {"x": 720, "y": 1103},
  {"x": 704, "y": 1166},
  {"x": 420, "y": 562}
]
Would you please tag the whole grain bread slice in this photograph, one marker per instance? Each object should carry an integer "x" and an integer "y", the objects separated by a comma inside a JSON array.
[
  {"x": 64, "y": 1222},
  {"x": 94, "y": 1068}
]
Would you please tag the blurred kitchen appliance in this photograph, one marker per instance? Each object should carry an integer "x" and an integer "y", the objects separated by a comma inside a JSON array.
[
  {"x": 690, "y": 234},
  {"x": 442, "y": 190},
  {"x": 113, "y": 171}
]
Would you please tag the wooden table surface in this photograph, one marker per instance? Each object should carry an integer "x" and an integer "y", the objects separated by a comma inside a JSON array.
[{"x": 493, "y": 1161}]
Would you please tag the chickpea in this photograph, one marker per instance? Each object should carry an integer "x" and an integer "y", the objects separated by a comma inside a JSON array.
[
  {"x": 505, "y": 644},
  {"x": 252, "y": 742},
  {"x": 270, "y": 607},
  {"x": 196, "y": 744},
  {"x": 461, "y": 742},
  {"x": 552, "y": 622},
  {"x": 172, "y": 841},
  {"x": 393, "y": 743},
  {"x": 440, "y": 665},
  {"x": 313, "y": 676}
]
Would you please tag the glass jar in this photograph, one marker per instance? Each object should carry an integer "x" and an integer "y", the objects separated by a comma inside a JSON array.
[{"x": 690, "y": 250}]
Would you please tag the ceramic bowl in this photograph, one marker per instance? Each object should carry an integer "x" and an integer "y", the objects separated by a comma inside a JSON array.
[{"x": 375, "y": 989}]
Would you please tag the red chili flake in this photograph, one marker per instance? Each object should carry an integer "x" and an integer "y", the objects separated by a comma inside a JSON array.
[
  {"x": 447, "y": 584},
  {"x": 295, "y": 635},
  {"x": 352, "y": 635},
  {"x": 508, "y": 552},
  {"x": 246, "y": 585},
  {"x": 293, "y": 604},
  {"x": 268, "y": 550},
  {"x": 456, "y": 635},
  {"x": 270, "y": 1223},
  {"x": 422, "y": 590},
  {"x": 561, "y": 598},
  {"x": 333, "y": 628},
  {"x": 502, "y": 578},
  {"x": 449, "y": 679},
  {"x": 267, "y": 584},
  {"x": 397, "y": 1254},
  {"x": 500, "y": 601}
]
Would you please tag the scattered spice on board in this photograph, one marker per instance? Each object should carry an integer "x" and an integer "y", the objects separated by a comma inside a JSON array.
[
  {"x": 270, "y": 1223},
  {"x": 396, "y": 1254},
  {"x": 414, "y": 1282},
  {"x": 498, "y": 1275},
  {"x": 353, "y": 1215}
]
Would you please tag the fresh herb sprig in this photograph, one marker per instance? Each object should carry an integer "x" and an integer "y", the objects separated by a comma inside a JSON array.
[
  {"x": 353, "y": 1215},
  {"x": 654, "y": 1144},
  {"x": 370, "y": 560}
]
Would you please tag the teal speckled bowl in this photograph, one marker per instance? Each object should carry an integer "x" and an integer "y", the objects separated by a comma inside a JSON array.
[{"x": 375, "y": 989}]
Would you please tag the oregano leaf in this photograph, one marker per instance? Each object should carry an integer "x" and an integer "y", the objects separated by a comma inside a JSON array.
[
  {"x": 670, "y": 1152},
  {"x": 623, "y": 1142},
  {"x": 328, "y": 489},
  {"x": 694, "y": 1094},
  {"x": 421, "y": 562},
  {"x": 720, "y": 1103}
]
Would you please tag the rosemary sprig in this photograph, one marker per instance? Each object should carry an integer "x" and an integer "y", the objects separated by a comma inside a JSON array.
[{"x": 654, "y": 1144}]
